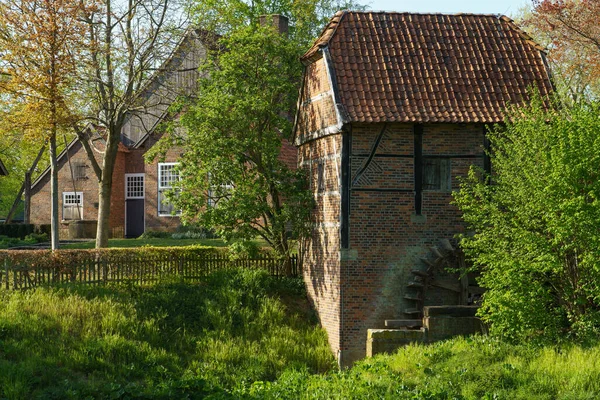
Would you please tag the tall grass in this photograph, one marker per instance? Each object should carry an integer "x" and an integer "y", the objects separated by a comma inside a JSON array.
[
  {"x": 471, "y": 368},
  {"x": 165, "y": 341}
]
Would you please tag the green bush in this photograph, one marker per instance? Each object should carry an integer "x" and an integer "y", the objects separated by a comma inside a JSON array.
[
  {"x": 18, "y": 231},
  {"x": 193, "y": 232},
  {"x": 536, "y": 238},
  {"x": 243, "y": 249}
]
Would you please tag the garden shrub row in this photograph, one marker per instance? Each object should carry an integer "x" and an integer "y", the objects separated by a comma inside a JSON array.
[
  {"x": 32, "y": 268},
  {"x": 22, "y": 230}
]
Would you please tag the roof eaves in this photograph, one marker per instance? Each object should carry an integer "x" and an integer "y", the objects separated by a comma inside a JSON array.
[
  {"x": 90, "y": 128},
  {"x": 524, "y": 35}
]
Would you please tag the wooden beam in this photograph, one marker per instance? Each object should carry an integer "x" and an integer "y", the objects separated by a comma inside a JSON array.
[{"x": 418, "y": 167}]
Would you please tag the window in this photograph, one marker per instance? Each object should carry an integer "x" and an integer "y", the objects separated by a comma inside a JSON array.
[
  {"x": 214, "y": 195},
  {"x": 320, "y": 177},
  {"x": 72, "y": 206},
  {"x": 79, "y": 171},
  {"x": 436, "y": 174},
  {"x": 167, "y": 176},
  {"x": 134, "y": 186}
]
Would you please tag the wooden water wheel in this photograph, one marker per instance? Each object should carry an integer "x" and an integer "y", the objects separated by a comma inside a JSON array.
[{"x": 443, "y": 269}]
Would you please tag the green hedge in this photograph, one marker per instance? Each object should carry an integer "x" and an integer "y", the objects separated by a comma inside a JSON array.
[
  {"x": 31, "y": 268},
  {"x": 65, "y": 258},
  {"x": 22, "y": 230}
]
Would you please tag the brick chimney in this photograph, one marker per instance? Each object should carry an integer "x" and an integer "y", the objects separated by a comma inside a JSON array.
[{"x": 279, "y": 22}]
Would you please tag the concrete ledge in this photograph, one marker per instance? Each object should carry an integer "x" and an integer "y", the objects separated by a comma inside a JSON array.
[
  {"x": 389, "y": 340},
  {"x": 439, "y": 323}
]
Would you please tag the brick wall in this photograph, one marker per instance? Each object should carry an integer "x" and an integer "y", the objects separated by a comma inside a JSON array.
[
  {"x": 322, "y": 262},
  {"x": 128, "y": 161},
  {"x": 316, "y": 110},
  {"x": 153, "y": 221},
  {"x": 386, "y": 238},
  {"x": 40, "y": 193}
]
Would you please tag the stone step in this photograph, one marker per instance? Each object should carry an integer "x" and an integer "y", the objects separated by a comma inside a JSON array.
[
  {"x": 412, "y": 311},
  {"x": 412, "y": 297},
  {"x": 403, "y": 323}
]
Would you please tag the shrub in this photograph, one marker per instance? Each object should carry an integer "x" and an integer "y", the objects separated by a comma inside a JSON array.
[
  {"x": 16, "y": 230},
  {"x": 243, "y": 249},
  {"x": 536, "y": 238},
  {"x": 194, "y": 232}
]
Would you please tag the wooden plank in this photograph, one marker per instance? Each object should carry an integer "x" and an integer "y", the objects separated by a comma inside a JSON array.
[{"x": 403, "y": 323}]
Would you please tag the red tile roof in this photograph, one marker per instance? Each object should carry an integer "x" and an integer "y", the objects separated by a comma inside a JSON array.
[{"x": 403, "y": 67}]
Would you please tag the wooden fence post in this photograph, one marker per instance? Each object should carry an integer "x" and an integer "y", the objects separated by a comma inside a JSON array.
[
  {"x": 6, "y": 272},
  {"x": 104, "y": 270}
]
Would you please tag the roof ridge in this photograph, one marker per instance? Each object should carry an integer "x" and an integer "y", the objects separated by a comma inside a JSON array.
[{"x": 495, "y": 15}]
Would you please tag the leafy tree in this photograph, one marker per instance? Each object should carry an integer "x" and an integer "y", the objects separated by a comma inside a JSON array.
[
  {"x": 232, "y": 176},
  {"x": 41, "y": 43},
  {"x": 570, "y": 31},
  {"x": 129, "y": 41},
  {"x": 306, "y": 17},
  {"x": 535, "y": 227}
]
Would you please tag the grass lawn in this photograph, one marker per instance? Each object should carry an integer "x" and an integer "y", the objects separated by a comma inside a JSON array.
[
  {"x": 166, "y": 341},
  {"x": 157, "y": 242},
  {"x": 462, "y": 368},
  {"x": 246, "y": 335}
]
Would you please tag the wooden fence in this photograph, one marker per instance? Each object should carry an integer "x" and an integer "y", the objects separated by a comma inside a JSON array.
[{"x": 136, "y": 268}]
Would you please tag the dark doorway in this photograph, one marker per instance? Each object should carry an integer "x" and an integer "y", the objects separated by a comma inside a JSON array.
[
  {"x": 134, "y": 205},
  {"x": 134, "y": 226}
]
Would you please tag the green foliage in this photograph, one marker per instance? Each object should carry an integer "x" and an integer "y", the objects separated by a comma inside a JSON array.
[
  {"x": 471, "y": 368},
  {"x": 536, "y": 238},
  {"x": 233, "y": 178},
  {"x": 193, "y": 232},
  {"x": 153, "y": 242},
  {"x": 164, "y": 341},
  {"x": 33, "y": 238},
  {"x": 243, "y": 249},
  {"x": 306, "y": 17},
  {"x": 17, "y": 230}
]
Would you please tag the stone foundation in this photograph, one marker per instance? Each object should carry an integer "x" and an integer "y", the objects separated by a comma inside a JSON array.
[{"x": 439, "y": 323}]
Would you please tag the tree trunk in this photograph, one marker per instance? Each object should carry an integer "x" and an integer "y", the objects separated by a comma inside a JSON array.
[
  {"x": 105, "y": 187},
  {"x": 53, "y": 192}
]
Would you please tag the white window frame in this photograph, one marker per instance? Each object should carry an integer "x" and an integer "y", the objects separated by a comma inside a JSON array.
[
  {"x": 164, "y": 188},
  {"x": 212, "y": 202},
  {"x": 80, "y": 205},
  {"x": 127, "y": 196}
]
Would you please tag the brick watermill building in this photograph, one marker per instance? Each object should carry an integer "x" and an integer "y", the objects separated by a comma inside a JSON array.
[{"x": 393, "y": 110}]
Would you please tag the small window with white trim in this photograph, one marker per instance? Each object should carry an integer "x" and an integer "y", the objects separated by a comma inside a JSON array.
[
  {"x": 134, "y": 186},
  {"x": 215, "y": 196},
  {"x": 72, "y": 206},
  {"x": 168, "y": 175}
]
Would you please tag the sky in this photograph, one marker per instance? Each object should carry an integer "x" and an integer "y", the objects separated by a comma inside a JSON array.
[{"x": 506, "y": 7}]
